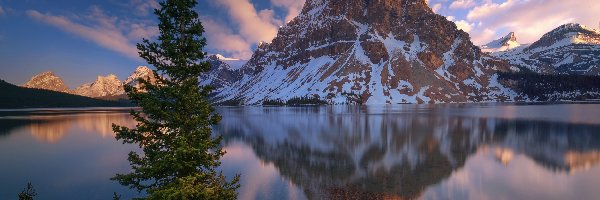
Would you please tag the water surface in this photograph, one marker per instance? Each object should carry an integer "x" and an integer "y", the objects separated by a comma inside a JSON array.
[{"x": 458, "y": 151}]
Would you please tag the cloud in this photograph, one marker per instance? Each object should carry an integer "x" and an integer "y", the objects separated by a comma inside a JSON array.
[
  {"x": 462, "y": 4},
  {"x": 221, "y": 38},
  {"x": 1, "y": 10},
  {"x": 144, "y": 7},
  {"x": 118, "y": 35},
  {"x": 294, "y": 7},
  {"x": 251, "y": 26},
  {"x": 436, "y": 7},
  {"x": 529, "y": 19},
  {"x": 464, "y": 25}
]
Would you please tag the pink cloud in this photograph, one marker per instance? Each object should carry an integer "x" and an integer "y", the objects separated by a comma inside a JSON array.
[
  {"x": 436, "y": 7},
  {"x": 105, "y": 37},
  {"x": 145, "y": 7},
  {"x": 251, "y": 26},
  {"x": 294, "y": 7},
  {"x": 110, "y": 32},
  {"x": 222, "y": 38},
  {"x": 529, "y": 19},
  {"x": 462, "y": 4}
]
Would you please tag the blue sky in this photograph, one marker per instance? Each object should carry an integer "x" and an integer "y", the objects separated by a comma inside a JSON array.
[{"x": 81, "y": 39}]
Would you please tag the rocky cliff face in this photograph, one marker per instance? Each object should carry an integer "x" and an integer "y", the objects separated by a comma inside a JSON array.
[
  {"x": 568, "y": 49},
  {"x": 47, "y": 81},
  {"x": 370, "y": 51}
]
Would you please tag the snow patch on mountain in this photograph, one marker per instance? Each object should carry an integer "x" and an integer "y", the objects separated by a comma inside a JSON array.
[
  {"x": 378, "y": 54},
  {"x": 568, "y": 49},
  {"x": 505, "y": 43}
]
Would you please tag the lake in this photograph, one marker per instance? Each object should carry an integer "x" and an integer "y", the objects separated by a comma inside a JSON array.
[{"x": 455, "y": 151}]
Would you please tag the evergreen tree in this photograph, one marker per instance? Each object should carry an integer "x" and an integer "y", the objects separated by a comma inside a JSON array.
[
  {"x": 28, "y": 193},
  {"x": 174, "y": 130}
]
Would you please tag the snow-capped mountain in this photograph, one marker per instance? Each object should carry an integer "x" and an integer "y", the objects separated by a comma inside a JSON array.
[
  {"x": 140, "y": 72},
  {"x": 47, "y": 81},
  {"x": 234, "y": 63},
  {"x": 373, "y": 52},
  {"x": 222, "y": 75},
  {"x": 568, "y": 49},
  {"x": 505, "y": 43},
  {"x": 103, "y": 86},
  {"x": 111, "y": 86}
]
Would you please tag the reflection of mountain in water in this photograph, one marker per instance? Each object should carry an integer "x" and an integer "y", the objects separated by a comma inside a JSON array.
[
  {"x": 355, "y": 153},
  {"x": 52, "y": 128}
]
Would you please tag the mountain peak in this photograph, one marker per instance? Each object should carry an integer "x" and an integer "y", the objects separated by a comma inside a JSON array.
[
  {"x": 505, "y": 43},
  {"x": 104, "y": 86},
  {"x": 368, "y": 51},
  {"x": 47, "y": 81},
  {"x": 567, "y": 34},
  {"x": 568, "y": 49},
  {"x": 512, "y": 36},
  {"x": 143, "y": 72}
]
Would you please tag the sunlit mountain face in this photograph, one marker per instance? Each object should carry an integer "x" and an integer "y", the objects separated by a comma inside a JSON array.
[{"x": 375, "y": 153}]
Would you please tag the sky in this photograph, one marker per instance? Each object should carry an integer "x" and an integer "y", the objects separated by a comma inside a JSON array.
[{"x": 82, "y": 39}]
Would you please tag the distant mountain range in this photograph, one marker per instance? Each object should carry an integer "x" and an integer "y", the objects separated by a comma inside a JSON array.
[
  {"x": 388, "y": 52},
  {"x": 21, "y": 97},
  {"x": 103, "y": 87},
  {"x": 568, "y": 49}
]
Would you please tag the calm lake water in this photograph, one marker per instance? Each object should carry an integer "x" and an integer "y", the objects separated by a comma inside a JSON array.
[{"x": 472, "y": 151}]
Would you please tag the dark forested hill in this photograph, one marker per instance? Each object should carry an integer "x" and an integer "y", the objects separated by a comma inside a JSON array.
[
  {"x": 546, "y": 87},
  {"x": 12, "y": 96}
]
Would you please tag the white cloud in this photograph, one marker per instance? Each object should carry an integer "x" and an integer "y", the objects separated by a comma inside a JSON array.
[
  {"x": 464, "y": 25},
  {"x": 118, "y": 35},
  {"x": 529, "y": 19},
  {"x": 462, "y": 4}
]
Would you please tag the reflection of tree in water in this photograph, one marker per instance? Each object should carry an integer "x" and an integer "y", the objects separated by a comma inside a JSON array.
[
  {"x": 53, "y": 128},
  {"x": 352, "y": 155}
]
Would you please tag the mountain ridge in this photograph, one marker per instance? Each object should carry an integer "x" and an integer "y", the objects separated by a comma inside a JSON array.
[
  {"x": 568, "y": 49},
  {"x": 505, "y": 43},
  {"x": 108, "y": 86},
  {"x": 370, "y": 52}
]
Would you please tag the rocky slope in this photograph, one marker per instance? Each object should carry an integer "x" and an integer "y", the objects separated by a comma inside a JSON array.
[
  {"x": 505, "y": 43},
  {"x": 373, "y": 52},
  {"x": 568, "y": 49},
  {"x": 47, "y": 81}
]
